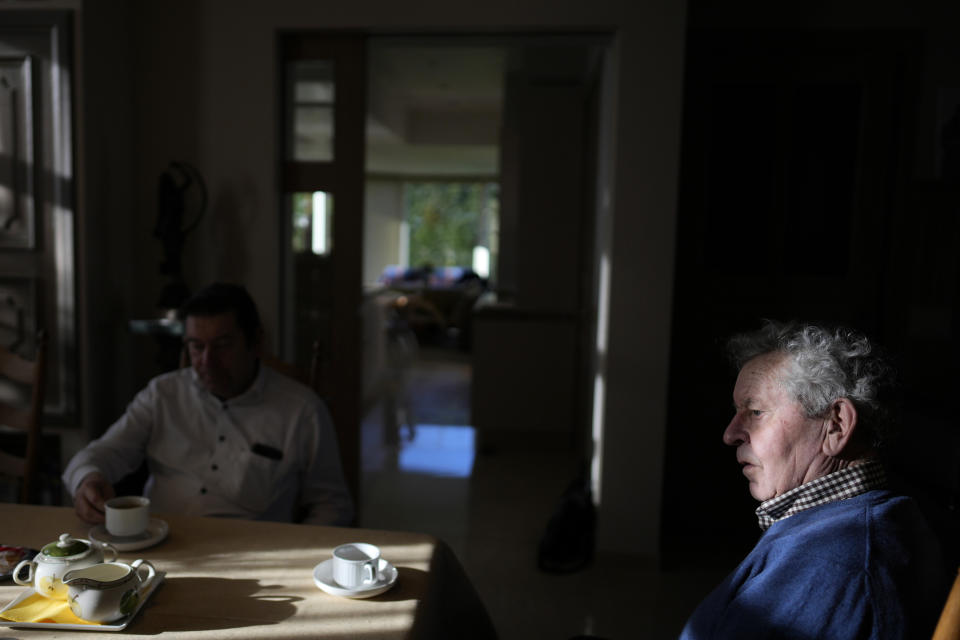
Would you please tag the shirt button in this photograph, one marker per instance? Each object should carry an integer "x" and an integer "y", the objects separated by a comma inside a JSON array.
[
  {"x": 222, "y": 438},
  {"x": 203, "y": 490},
  {"x": 214, "y": 467}
]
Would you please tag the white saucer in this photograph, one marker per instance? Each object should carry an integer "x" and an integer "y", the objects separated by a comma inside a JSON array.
[
  {"x": 155, "y": 533},
  {"x": 323, "y": 577}
]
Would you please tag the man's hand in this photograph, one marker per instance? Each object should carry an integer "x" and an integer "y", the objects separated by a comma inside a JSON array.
[{"x": 88, "y": 501}]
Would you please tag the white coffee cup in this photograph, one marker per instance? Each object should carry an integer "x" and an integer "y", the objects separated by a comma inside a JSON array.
[
  {"x": 127, "y": 515},
  {"x": 356, "y": 564}
]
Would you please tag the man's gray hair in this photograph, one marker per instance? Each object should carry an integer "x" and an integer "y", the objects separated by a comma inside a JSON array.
[{"x": 826, "y": 365}]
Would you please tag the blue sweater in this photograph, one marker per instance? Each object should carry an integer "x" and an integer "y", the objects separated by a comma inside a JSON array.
[{"x": 865, "y": 567}]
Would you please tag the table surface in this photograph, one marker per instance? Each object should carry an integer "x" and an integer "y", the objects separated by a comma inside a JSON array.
[{"x": 246, "y": 579}]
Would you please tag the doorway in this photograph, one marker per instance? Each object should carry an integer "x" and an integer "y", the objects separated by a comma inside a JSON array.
[{"x": 486, "y": 145}]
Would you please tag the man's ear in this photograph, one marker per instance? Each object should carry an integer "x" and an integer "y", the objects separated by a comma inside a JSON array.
[{"x": 841, "y": 425}]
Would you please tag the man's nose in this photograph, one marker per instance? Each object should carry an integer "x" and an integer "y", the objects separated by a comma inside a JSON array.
[{"x": 733, "y": 435}]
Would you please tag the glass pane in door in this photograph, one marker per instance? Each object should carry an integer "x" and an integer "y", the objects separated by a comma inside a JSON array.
[
  {"x": 311, "y": 117},
  {"x": 312, "y": 222}
]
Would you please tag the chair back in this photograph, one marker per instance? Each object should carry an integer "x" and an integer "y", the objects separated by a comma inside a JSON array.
[
  {"x": 282, "y": 366},
  {"x": 313, "y": 378},
  {"x": 948, "y": 628},
  {"x": 28, "y": 374}
]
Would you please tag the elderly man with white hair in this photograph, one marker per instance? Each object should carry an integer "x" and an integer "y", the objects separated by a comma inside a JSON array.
[{"x": 840, "y": 556}]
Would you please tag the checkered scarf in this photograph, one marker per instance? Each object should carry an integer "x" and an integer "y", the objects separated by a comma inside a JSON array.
[{"x": 839, "y": 485}]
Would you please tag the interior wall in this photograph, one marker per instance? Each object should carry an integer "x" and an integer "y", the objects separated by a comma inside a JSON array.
[
  {"x": 106, "y": 179},
  {"x": 383, "y": 213},
  {"x": 649, "y": 62},
  {"x": 550, "y": 150},
  {"x": 936, "y": 20},
  {"x": 204, "y": 89},
  {"x": 596, "y": 340},
  {"x": 135, "y": 114},
  {"x": 527, "y": 359}
]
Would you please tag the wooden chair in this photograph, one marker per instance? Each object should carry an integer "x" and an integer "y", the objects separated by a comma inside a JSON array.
[
  {"x": 317, "y": 381},
  {"x": 313, "y": 378},
  {"x": 948, "y": 628},
  {"x": 24, "y": 418}
]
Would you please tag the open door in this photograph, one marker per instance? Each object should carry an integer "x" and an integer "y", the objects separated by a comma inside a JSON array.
[{"x": 324, "y": 107}]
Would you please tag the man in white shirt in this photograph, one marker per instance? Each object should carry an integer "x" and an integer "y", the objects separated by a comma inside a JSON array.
[{"x": 227, "y": 436}]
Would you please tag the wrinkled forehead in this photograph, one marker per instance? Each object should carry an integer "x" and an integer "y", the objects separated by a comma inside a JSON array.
[{"x": 761, "y": 376}]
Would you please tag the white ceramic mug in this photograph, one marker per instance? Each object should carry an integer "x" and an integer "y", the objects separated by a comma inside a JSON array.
[
  {"x": 356, "y": 564},
  {"x": 127, "y": 515}
]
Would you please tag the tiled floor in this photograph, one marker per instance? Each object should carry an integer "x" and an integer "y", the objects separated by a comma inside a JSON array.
[{"x": 492, "y": 509}]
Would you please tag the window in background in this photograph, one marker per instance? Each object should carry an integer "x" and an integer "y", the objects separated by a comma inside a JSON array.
[
  {"x": 312, "y": 223},
  {"x": 453, "y": 224}
]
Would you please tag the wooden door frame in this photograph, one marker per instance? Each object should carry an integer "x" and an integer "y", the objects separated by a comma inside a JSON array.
[{"x": 344, "y": 178}]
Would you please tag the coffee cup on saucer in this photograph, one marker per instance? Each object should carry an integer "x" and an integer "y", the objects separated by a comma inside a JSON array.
[
  {"x": 356, "y": 565},
  {"x": 127, "y": 516}
]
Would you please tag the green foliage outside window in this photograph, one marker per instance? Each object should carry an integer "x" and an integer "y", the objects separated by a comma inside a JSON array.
[
  {"x": 448, "y": 219},
  {"x": 306, "y": 212},
  {"x": 302, "y": 221}
]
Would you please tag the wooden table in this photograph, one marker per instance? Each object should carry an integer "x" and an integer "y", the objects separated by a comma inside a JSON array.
[{"x": 244, "y": 579}]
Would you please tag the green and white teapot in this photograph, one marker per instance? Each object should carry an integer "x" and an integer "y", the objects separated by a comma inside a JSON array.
[{"x": 45, "y": 572}]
